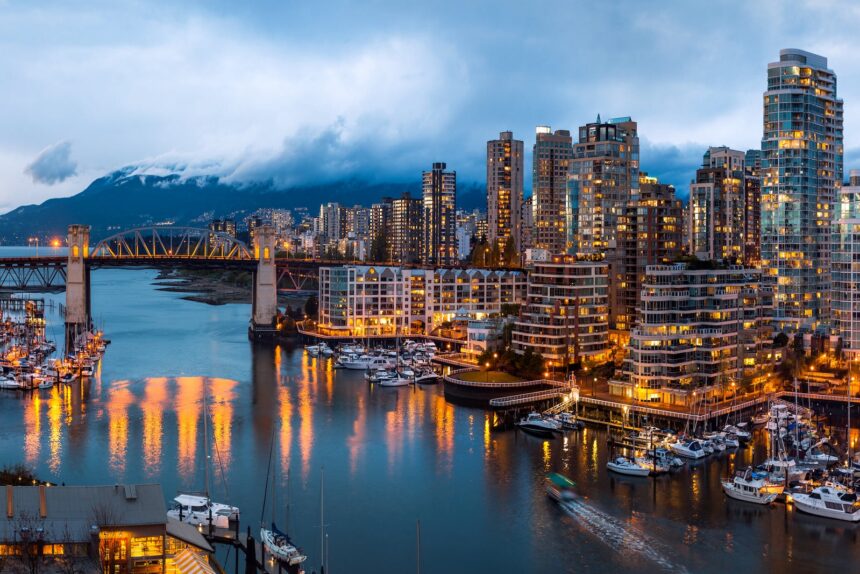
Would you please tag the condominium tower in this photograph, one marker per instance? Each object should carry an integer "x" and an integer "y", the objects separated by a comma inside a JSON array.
[
  {"x": 801, "y": 174},
  {"x": 550, "y": 165},
  {"x": 439, "y": 236},
  {"x": 504, "y": 190},
  {"x": 844, "y": 272},
  {"x": 717, "y": 206}
]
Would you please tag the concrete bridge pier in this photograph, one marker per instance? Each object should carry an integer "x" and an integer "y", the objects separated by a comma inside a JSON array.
[
  {"x": 77, "y": 284},
  {"x": 264, "y": 302}
]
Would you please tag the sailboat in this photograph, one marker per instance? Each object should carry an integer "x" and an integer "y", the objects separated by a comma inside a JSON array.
[
  {"x": 276, "y": 541},
  {"x": 198, "y": 509}
]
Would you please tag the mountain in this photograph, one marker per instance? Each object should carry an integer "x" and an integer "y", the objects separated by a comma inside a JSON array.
[{"x": 125, "y": 199}]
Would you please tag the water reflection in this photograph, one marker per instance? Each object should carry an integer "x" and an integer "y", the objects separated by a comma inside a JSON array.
[
  {"x": 153, "y": 407},
  {"x": 119, "y": 399},
  {"x": 189, "y": 393}
]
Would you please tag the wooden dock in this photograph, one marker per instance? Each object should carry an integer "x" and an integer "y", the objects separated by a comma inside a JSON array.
[{"x": 240, "y": 541}]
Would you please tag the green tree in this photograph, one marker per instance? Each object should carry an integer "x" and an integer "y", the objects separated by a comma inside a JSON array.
[
  {"x": 378, "y": 249},
  {"x": 312, "y": 307},
  {"x": 510, "y": 257}
]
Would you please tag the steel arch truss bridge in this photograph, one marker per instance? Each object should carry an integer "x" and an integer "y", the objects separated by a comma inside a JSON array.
[
  {"x": 33, "y": 275},
  {"x": 150, "y": 243}
]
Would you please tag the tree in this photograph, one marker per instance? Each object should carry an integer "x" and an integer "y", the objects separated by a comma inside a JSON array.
[
  {"x": 781, "y": 340},
  {"x": 312, "y": 307},
  {"x": 510, "y": 257},
  {"x": 378, "y": 250}
]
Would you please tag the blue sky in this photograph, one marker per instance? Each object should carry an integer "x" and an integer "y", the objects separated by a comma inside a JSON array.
[{"x": 309, "y": 91}]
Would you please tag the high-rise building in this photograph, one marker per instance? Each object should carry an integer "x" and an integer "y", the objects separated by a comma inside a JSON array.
[
  {"x": 380, "y": 240},
  {"x": 845, "y": 276},
  {"x": 550, "y": 165},
  {"x": 527, "y": 224},
  {"x": 357, "y": 222},
  {"x": 439, "y": 238},
  {"x": 701, "y": 332},
  {"x": 604, "y": 174},
  {"x": 752, "y": 203},
  {"x": 332, "y": 220},
  {"x": 717, "y": 206},
  {"x": 405, "y": 229},
  {"x": 504, "y": 190},
  {"x": 801, "y": 174},
  {"x": 649, "y": 233},
  {"x": 565, "y": 317}
]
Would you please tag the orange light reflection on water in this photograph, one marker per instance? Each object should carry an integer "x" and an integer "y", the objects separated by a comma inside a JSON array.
[
  {"x": 189, "y": 393},
  {"x": 119, "y": 399},
  {"x": 33, "y": 426},
  {"x": 221, "y": 412},
  {"x": 55, "y": 424},
  {"x": 153, "y": 405}
]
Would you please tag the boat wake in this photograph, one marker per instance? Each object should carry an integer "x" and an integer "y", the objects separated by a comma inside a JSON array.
[{"x": 621, "y": 537}]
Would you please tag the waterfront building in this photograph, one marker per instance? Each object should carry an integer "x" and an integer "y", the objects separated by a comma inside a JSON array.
[
  {"x": 649, "y": 232},
  {"x": 702, "y": 330},
  {"x": 845, "y": 275},
  {"x": 717, "y": 207},
  {"x": 550, "y": 165},
  {"x": 604, "y": 175},
  {"x": 566, "y": 314},
  {"x": 122, "y": 529},
  {"x": 504, "y": 190},
  {"x": 405, "y": 230},
  {"x": 438, "y": 240},
  {"x": 801, "y": 170},
  {"x": 361, "y": 300},
  {"x": 752, "y": 204}
]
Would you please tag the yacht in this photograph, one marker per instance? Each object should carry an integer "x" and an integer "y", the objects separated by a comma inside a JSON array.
[
  {"x": 365, "y": 362},
  {"x": 313, "y": 350},
  {"x": 688, "y": 449},
  {"x": 655, "y": 465},
  {"x": 716, "y": 440},
  {"x": 9, "y": 383},
  {"x": 742, "y": 434},
  {"x": 751, "y": 487},
  {"x": 279, "y": 545},
  {"x": 568, "y": 421},
  {"x": 394, "y": 381},
  {"x": 623, "y": 465},
  {"x": 427, "y": 377},
  {"x": 759, "y": 418},
  {"x": 816, "y": 455},
  {"x": 537, "y": 424},
  {"x": 325, "y": 350},
  {"x": 195, "y": 509},
  {"x": 707, "y": 446},
  {"x": 829, "y": 502}
]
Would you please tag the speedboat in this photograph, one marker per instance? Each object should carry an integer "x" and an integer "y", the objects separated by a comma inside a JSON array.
[
  {"x": 364, "y": 362},
  {"x": 829, "y": 502},
  {"x": 752, "y": 487},
  {"x": 538, "y": 425},
  {"x": 560, "y": 488},
  {"x": 426, "y": 377},
  {"x": 394, "y": 381},
  {"x": 688, "y": 449},
  {"x": 195, "y": 509},
  {"x": 624, "y": 465},
  {"x": 568, "y": 421},
  {"x": 7, "y": 383},
  {"x": 279, "y": 545}
]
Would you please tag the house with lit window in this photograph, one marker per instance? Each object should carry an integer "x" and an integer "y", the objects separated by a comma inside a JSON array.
[{"x": 119, "y": 529}]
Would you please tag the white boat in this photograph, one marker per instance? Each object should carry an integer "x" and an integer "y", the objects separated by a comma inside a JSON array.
[
  {"x": 816, "y": 455},
  {"x": 367, "y": 362},
  {"x": 708, "y": 447},
  {"x": 394, "y": 381},
  {"x": 759, "y": 418},
  {"x": 426, "y": 377},
  {"x": 751, "y": 487},
  {"x": 313, "y": 350},
  {"x": 623, "y": 465},
  {"x": 716, "y": 440},
  {"x": 278, "y": 544},
  {"x": 742, "y": 434},
  {"x": 7, "y": 383},
  {"x": 731, "y": 440},
  {"x": 568, "y": 421},
  {"x": 654, "y": 465},
  {"x": 195, "y": 509},
  {"x": 46, "y": 384},
  {"x": 688, "y": 449},
  {"x": 537, "y": 424},
  {"x": 828, "y": 502},
  {"x": 325, "y": 350}
]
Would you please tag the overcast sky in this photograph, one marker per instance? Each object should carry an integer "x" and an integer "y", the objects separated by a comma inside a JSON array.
[{"x": 304, "y": 91}]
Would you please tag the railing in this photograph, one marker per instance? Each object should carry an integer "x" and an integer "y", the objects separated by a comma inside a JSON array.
[
  {"x": 450, "y": 378},
  {"x": 527, "y": 398}
]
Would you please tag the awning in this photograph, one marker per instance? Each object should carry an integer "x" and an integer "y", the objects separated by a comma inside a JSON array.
[{"x": 189, "y": 562}]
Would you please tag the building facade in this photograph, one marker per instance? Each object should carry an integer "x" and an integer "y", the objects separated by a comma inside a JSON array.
[
  {"x": 752, "y": 203},
  {"x": 504, "y": 190},
  {"x": 701, "y": 332},
  {"x": 438, "y": 238},
  {"x": 649, "y": 232},
  {"x": 801, "y": 168},
  {"x": 405, "y": 230},
  {"x": 717, "y": 207},
  {"x": 845, "y": 267},
  {"x": 550, "y": 166},
  {"x": 604, "y": 175},
  {"x": 566, "y": 314}
]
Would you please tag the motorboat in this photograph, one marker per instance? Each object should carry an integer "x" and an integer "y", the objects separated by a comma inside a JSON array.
[
  {"x": 46, "y": 384},
  {"x": 750, "y": 486},
  {"x": 731, "y": 440},
  {"x": 365, "y": 362},
  {"x": 394, "y": 381},
  {"x": 279, "y": 545},
  {"x": 708, "y": 446},
  {"x": 325, "y": 350},
  {"x": 818, "y": 456},
  {"x": 195, "y": 509},
  {"x": 313, "y": 350},
  {"x": 569, "y": 421},
  {"x": 783, "y": 471},
  {"x": 624, "y": 465},
  {"x": 759, "y": 418},
  {"x": 828, "y": 502},
  {"x": 7, "y": 383},
  {"x": 426, "y": 377},
  {"x": 560, "y": 488},
  {"x": 742, "y": 434},
  {"x": 537, "y": 424},
  {"x": 653, "y": 464},
  {"x": 716, "y": 440},
  {"x": 688, "y": 449}
]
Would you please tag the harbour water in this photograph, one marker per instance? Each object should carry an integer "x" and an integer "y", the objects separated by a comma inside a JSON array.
[{"x": 391, "y": 457}]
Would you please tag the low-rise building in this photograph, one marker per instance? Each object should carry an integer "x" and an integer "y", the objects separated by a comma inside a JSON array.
[
  {"x": 566, "y": 314},
  {"x": 702, "y": 330}
]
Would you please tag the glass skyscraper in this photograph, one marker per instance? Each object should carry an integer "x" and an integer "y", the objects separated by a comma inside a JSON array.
[{"x": 801, "y": 175}]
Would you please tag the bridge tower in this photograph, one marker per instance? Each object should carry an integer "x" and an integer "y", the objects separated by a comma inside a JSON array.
[
  {"x": 264, "y": 302},
  {"x": 77, "y": 284}
]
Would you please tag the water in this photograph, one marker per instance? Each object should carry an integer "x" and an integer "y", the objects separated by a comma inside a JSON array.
[{"x": 391, "y": 457}]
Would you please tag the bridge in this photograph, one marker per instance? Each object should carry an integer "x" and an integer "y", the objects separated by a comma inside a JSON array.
[{"x": 161, "y": 247}]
